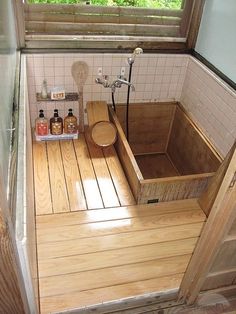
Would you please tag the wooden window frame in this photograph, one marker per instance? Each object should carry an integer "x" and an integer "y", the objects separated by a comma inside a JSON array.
[{"x": 55, "y": 26}]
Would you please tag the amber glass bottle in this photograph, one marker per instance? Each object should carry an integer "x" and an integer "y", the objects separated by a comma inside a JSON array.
[
  {"x": 56, "y": 124},
  {"x": 70, "y": 123},
  {"x": 41, "y": 124}
]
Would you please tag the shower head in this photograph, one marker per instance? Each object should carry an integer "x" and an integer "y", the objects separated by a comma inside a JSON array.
[{"x": 137, "y": 51}]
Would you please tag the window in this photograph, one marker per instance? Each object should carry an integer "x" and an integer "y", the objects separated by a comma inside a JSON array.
[{"x": 104, "y": 26}]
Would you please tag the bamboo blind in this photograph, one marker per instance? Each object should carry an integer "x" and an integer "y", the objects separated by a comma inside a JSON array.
[{"x": 101, "y": 20}]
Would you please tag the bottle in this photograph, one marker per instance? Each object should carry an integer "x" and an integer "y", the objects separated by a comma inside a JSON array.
[
  {"x": 56, "y": 124},
  {"x": 44, "y": 91},
  {"x": 70, "y": 123},
  {"x": 41, "y": 124}
]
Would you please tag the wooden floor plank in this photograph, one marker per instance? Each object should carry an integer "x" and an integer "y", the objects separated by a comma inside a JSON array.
[
  {"x": 121, "y": 184},
  {"x": 93, "y": 256},
  {"x": 91, "y": 190},
  {"x": 91, "y": 261},
  {"x": 118, "y": 226},
  {"x": 102, "y": 173},
  {"x": 117, "y": 241},
  {"x": 124, "y": 274},
  {"x": 57, "y": 178},
  {"x": 43, "y": 201},
  {"x": 77, "y": 299},
  {"x": 67, "y": 219},
  {"x": 72, "y": 176}
]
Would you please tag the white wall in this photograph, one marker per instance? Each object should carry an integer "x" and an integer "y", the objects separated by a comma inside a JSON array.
[
  {"x": 211, "y": 103},
  {"x": 156, "y": 77},
  {"x": 217, "y": 38}
]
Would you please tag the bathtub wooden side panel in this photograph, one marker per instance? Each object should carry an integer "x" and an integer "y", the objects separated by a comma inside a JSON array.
[
  {"x": 127, "y": 159},
  {"x": 173, "y": 188},
  {"x": 188, "y": 149},
  {"x": 149, "y": 126}
]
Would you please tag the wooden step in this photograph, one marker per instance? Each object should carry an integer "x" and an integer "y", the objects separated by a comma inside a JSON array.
[
  {"x": 81, "y": 299},
  {"x": 63, "y": 219}
]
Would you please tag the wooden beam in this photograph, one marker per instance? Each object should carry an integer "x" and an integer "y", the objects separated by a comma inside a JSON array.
[
  {"x": 194, "y": 23},
  {"x": 92, "y": 9},
  {"x": 104, "y": 43},
  {"x": 100, "y": 18},
  {"x": 59, "y": 28},
  {"x": 213, "y": 233},
  {"x": 187, "y": 14}
]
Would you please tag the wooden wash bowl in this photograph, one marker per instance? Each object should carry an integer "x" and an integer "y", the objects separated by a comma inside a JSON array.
[{"x": 167, "y": 157}]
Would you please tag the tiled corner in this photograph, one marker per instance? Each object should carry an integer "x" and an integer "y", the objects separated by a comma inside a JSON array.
[{"x": 211, "y": 103}]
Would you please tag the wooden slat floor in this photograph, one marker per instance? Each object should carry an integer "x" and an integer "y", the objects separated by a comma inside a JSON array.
[
  {"x": 112, "y": 250},
  {"x": 76, "y": 175},
  {"x": 94, "y": 256}
]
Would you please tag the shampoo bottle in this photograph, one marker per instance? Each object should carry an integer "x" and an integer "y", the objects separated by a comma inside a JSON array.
[
  {"x": 56, "y": 124},
  {"x": 70, "y": 123},
  {"x": 41, "y": 124}
]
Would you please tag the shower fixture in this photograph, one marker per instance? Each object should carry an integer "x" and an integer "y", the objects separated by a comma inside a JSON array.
[{"x": 137, "y": 51}]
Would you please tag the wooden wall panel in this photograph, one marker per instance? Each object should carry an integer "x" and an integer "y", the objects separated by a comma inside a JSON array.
[
  {"x": 187, "y": 148},
  {"x": 149, "y": 125},
  {"x": 173, "y": 188},
  {"x": 127, "y": 159},
  {"x": 215, "y": 253}
]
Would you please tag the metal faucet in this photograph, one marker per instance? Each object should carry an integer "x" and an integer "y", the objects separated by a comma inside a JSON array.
[
  {"x": 119, "y": 82},
  {"x": 104, "y": 81}
]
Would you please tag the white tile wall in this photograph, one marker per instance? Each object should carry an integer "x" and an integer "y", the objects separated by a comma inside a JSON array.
[
  {"x": 211, "y": 103},
  {"x": 156, "y": 77}
]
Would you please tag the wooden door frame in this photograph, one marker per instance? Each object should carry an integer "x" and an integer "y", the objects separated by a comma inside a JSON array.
[
  {"x": 219, "y": 222},
  {"x": 12, "y": 292}
]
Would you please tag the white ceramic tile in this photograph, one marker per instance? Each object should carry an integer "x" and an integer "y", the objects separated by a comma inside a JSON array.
[
  {"x": 161, "y": 62},
  {"x": 59, "y": 81},
  {"x": 59, "y": 62},
  {"x": 49, "y": 71},
  {"x": 59, "y": 71},
  {"x": 38, "y": 61}
]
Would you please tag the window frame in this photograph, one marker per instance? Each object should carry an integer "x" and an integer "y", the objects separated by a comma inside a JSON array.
[{"x": 51, "y": 35}]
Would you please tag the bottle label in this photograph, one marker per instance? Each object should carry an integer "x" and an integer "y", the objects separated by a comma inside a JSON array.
[
  {"x": 42, "y": 129},
  {"x": 71, "y": 128},
  {"x": 56, "y": 128}
]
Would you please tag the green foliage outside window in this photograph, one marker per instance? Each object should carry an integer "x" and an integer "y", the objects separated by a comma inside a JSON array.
[{"x": 161, "y": 4}]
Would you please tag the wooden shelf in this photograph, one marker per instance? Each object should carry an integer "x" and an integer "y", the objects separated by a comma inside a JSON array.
[{"x": 69, "y": 97}]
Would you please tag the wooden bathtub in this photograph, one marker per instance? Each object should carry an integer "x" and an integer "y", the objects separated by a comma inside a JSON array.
[{"x": 167, "y": 157}]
